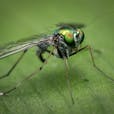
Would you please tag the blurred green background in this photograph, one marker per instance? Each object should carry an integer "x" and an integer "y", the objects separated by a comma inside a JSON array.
[{"x": 47, "y": 92}]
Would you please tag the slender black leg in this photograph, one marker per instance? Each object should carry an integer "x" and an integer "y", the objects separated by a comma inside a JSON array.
[
  {"x": 91, "y": 54},
  {"x": 25, "y": 79},
  {"x": 13, "y": 67},
  {"x": 68, "y": 80},
  {"x": 65, "y": 58},
  {"x": 40, "y": 54}
]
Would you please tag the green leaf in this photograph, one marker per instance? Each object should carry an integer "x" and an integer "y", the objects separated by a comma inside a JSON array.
[{"x": 47, "y": 91}]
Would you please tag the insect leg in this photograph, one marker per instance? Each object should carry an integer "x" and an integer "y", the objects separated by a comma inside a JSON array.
[
  {"x": 92, "y": 58},
  {"x": 13, "y": 67},
  {"x": 107, "y": 76},
  {"x": 40, "y": 54},
  {"x": 63, "y": 53},
  {"x": 68, "y": 80},
  {"x": 25, "y": 79}
]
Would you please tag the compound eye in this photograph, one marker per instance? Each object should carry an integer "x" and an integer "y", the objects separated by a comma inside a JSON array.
[{"x": 76, "y": 35}]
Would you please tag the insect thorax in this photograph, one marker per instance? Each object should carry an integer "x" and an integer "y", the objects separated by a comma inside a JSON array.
[
  {"x": 72, "y": 37},
  {"x": 65, "y": 40}
]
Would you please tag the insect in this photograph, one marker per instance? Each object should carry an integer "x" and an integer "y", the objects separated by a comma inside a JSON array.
[{"x": 66, "y": 42}]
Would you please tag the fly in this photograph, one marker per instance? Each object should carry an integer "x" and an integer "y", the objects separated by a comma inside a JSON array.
[{"x": 66, "y": 42}]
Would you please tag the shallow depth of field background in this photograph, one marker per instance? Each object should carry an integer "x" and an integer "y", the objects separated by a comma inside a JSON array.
[{"x": 47, "y": 92}]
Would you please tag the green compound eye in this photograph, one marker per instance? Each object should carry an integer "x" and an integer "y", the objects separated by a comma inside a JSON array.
[{"x": 68, "y": 36}]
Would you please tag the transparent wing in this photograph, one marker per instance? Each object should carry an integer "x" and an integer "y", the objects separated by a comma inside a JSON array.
[
  {"x": 73, "y": 25},
  {"x": 24, "y": 44}
]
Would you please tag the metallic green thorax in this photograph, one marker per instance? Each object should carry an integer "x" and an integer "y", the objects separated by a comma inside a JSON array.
[
  {"x": 68, "y": 35},
  {"x": 71, "y": 36}
]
